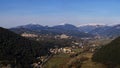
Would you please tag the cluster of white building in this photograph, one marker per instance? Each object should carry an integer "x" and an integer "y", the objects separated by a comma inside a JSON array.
[
  {"x": 28, "y": 35},
  {"x": 67, "y": 50}
]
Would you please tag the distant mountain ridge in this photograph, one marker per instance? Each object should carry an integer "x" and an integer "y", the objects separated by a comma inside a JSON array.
[
  {"x": 107, "y": 31},
  {"x": 68, "y": 29},
  {"x": 88, "y": 28},
  {"x": 102, "y": 30},
  {"x": 32, "y": 26}
]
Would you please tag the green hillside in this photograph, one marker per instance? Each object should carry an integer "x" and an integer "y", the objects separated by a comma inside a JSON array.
[{"x": 109, "y": 54}]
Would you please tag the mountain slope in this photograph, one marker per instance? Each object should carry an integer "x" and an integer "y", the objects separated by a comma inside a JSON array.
[
  {"x": 100, "y": 30},
  {"x": 108, "y": 54},
  {"x": 32, "y": 26},
  {"x": 88, "y": 28},
  {"x": 66, "y": 27},
  {"x": 107, "y": 31},
  {"x": 18, "y": 50}
]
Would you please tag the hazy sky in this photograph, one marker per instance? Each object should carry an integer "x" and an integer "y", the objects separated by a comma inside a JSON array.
[{"x": 53, "y": 12}]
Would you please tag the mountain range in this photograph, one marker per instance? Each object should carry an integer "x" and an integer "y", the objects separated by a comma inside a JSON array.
[
  {"x": 67, "y": 29},
  {"x": 106, "y": 31},
  {"x": 71, "y": 30}
]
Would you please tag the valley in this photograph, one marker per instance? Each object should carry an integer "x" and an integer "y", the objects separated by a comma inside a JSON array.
[
  {"x": 59, "y": 34},
  {"x": 54, "y": 49}
]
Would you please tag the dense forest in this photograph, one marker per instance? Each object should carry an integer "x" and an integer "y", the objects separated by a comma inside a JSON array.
[
  {"x": 19, "y": 51},
  {"x": 109, "y": 54}
]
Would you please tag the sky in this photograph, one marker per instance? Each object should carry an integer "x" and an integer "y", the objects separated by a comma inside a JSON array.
[{"x": 54, "y": 12}]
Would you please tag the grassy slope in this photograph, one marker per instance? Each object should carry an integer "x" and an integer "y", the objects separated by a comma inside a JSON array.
[
  {"x": 57, "y": 61},
  {"x": 61, "y": 60},
  {"x": 90, "y": 64}
]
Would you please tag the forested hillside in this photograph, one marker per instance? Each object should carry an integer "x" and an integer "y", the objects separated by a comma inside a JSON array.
[
  {"x": 19, "y": 51},
  {"x": 109, "y": 54}
]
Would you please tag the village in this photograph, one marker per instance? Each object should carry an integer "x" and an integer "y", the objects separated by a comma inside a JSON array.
[
  {"x": 76, "y": 47},
  {"x": 72, "y": 51}
]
